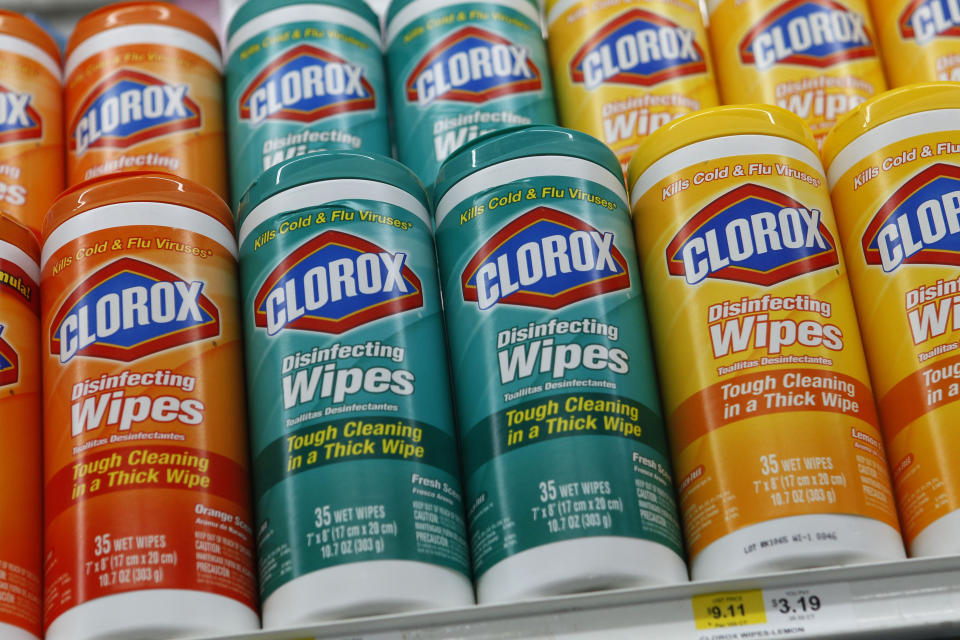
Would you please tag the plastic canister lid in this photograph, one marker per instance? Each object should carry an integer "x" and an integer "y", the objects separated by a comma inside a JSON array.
[
  {"x": 398, "y": 5},
  {"x": 329, "y": 165},
  {"x": 553, "y": 9},
  {"x": 254, "y": 8},
  {"x": 888, "y": 106},
  {"x": 136, "y": 186},
  {"x": 125, "y": 14},
  {"x": 19, "y": 236},
  {"x": 522, "y": 142},
  {"x": 19, "y": 26},
  {"x": 718, "y": 122}
]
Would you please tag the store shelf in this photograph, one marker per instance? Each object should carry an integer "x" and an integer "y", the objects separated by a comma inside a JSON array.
[{"x": 913, "y": 599}]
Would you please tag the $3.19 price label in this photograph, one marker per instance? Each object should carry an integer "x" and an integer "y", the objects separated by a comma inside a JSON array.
[{"x": 773, "y": 612}]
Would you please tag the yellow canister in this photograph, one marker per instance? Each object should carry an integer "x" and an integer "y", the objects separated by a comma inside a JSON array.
[
  {"x": 623, "y": 68},
  {"x": 816, "y": 58},
  {"x": 894, "y": 172},
  {"x": 919, "y": 39},
  {"x": 777, "y": 451}
]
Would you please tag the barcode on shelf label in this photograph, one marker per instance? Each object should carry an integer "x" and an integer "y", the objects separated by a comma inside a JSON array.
[{"x": 773, "y": 613}]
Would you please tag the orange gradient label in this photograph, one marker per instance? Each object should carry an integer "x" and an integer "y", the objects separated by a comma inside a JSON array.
[
  {"x": 146, "y": 455},
  {"x": 920, "y": 39},
  {"x": 20, "y": 457},
  {"x": 31, "y": 136},
  {"x": 897, "y": 206},
  {"x": 816, "y": 58},
  {"x": 146, "y": 107},
  {"x": 764, "y": 381}
]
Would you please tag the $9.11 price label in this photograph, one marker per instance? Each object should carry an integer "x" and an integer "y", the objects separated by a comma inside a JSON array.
[{"x": 757, "y": 613}]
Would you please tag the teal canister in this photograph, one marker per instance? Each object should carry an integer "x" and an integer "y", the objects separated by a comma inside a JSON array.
[
  {"x": 356, "y": 475},
  {"x": 303, "y": 76},
  {"x": 460, "y": 69},
  {"x": 565, "y": 460}
]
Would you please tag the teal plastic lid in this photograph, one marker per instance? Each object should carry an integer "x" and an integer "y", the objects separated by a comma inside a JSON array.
[
  {"x": 253, "y": 8},
  {"x": 522, "y": 142},
  {"x": 329, "y": 165},
  {"x": 398, "y": 5}
]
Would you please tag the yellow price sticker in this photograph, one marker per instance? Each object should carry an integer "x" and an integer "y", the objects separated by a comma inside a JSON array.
[{"x": 729, "y": 609}]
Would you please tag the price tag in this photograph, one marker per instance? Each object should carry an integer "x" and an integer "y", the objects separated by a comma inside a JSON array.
[
  {"x": 729, "y": 609},
  {"x": 792, "y": 611}
]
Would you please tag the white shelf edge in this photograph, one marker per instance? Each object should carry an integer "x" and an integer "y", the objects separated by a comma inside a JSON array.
[{"x": 909, "y": 599}]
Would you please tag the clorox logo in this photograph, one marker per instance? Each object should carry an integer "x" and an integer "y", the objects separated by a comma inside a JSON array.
[
  {"x": 334, "y": 283},
  {"x": 18, "y": 119},
  {"x": 640, "y": 48},
  {"x": 306, "y": 84},
  {"x": 130, "y": 309},
  {"x": 924, "y": 20},
  {"x": 129, "y": 107},
  {"x": 811, "y": 33},
  {"x": 9, "y": 362},
  {"x": 473, "y": 65},
  {"x": 546, "y": 259},
  {"x": 919, "y": 224},
  {"x": 751, "y": 234}
]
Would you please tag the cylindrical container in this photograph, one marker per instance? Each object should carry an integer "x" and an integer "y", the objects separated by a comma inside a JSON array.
[
  {"x": 303, "y": 76},
  {"x": 894, "y": 170},
  {"x": 21, "y": 462},
  {"x": 31, "y": 120},
  {"x": 623, "y": 69},
  {"x": 460, "y": 69},
  {"x": 228, "y": 9},
  {"x": 148, "y": 524},
  {"x": 920, "y": 41},
  {"x": 816, "y": 58},
  {"x": 567, "y": 473},
  {"x": 356, "y": 471},
  {"x": 143, "y": 93},
  {"x": 778, "y": 455}
]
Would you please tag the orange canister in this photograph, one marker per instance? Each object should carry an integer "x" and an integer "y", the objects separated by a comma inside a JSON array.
[
  {"x": 148, "y": 518},
  {"x": 143, "y": 92},
  {"x": 20, "y": 462},
  {"x": 31, "y": 120}
]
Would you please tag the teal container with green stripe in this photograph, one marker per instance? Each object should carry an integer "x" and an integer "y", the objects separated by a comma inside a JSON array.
[
  {"x": 303, "y": 76},
  {"x": 566, "y": 466},
  {"x": 461, "y": 68},
  {"x": 356, "y": 474}
]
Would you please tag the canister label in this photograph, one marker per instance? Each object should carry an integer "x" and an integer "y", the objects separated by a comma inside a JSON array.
[
  {"x": 816, "y": 58},
  {"x": 301, "y": 87},
  {"x": 355, "y": 457},
  {"x": 764, "y": 380},
  {"x": 146, "y": 461},
  {"x": 898, "y": 207},
  {"x": 556, "y": 395},
  {"x": 20, "y": 450},
  {"x": 31, "y": 136},
  {"x": 461, "y": 72},
  {"x": 626, "y": 68},
  {"x": 146, "y": 107},
  {"x": 920, "y": 38}
]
